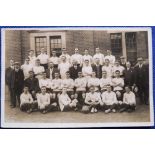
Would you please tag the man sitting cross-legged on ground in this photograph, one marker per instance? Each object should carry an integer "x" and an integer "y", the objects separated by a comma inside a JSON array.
[
  {"x": 26, "y": 101},
  {"x": 44, "y": 104},
  {"x": 109, "y": 100},
  {"x": 92, "y": 101},
  {"x": 80, "y": 86},
  {"x": 65, "y": 102},
  {"x": 129, "y": 100}
]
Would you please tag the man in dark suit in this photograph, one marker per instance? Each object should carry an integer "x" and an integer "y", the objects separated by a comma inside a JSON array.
[
  {"x": 123, "y": 61},
  {"x": 8, "y": 76},
  {"x": 97, "y": 68},
  {"x": 73, "y": 71},
  {"x": 128, "y": 74},
  {"x": 16, "y": 83},
  {"x": 33, "y": 84},
  {"x": 50, "y": 72},
  {"x": 141, "y": 79}
]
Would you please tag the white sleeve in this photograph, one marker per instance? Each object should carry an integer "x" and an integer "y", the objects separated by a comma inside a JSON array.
[{"x": 103, "y": 97}]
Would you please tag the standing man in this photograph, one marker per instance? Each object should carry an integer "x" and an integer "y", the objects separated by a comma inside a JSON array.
[
  {"x": 110, "y": 57},
  {"x": 64, "y": 53},
  {"x": 98, "y": 55},
  {"x": 50, "y": 72},
  {"x": 43, "y": 57},
  {"x": 141, "y": 80},
  {"x": 123, "y": 61},
  {"x": 8, "y": 76},
  {"x": 32, "y": 57},
  {"x": 116, "y": 67},
  {"x": 54, "y": 59},
  {"x": 74, "y": 70},
  {"x": 97, "y": 68},
  {"x": 26, "y": 67},
  {"x": 17, "y": 82},
  {"x": 108, "y": 68},
  {"x": 87, "y": 56},
  {"x": 76, "y": 57}
]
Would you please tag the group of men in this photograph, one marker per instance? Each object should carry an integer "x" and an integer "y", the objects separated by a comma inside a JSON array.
[{"x": 78, "y": 82}]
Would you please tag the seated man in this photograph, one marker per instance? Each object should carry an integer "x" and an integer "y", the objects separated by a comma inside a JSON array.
[
  {"x": 108, "y": 68},
  {"x": 104, "y": 81},
  {"x": 118, "y": 84},
  {"x": 92, "y": 101},
  {"x": 56, "y": 84},
  {"x": 109, "y": 100},
  {"x": 80, "y": 86},
  {"x": 110, "y": 57},
  {"x": 44, "y": 82},
  {"x": 94, "y": 81},
  {"x": 65, "y": 102},
  {"x": 33, "y": 85},
  {"x": 26, "y": 101},
  {"x": 44, "y": 104},
  {"x": 68, "y": 83},
  {"x": 129, "y": 100}
]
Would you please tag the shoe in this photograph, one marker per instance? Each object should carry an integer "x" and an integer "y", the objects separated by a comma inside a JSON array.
[
  {"x": 95, "y": 110},
  {"x": 92, "y": 110},
  {"x": 114, "y": 110},
  {"x": 107, "y": 111}
]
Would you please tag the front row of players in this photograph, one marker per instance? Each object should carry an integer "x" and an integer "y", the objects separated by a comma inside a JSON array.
[{"x": 108, "y": 100}]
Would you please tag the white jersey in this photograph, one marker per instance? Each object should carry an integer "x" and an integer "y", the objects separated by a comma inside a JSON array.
[
  {"x": 63, "y": 67},
  {"x": 26, "y": 68},
  {"x": 68, "y": 83},
  {"x": 63, "y": 101},
  {"x": 129, "y": 98},
  {"x": 120, "y": 68},
  {"x": 94, "y": 82},
  {"x": 43, "y": 58},
  {"x": 56, "y": 84},
  {"x": 109, "y": 98},
  {"x": 118, "y": 83},
  {"x": 55, "y": 60},
  {"x": 99, "y": 56},
  {"x": 38, "y": 70},
  {"x": 87, "y": 71},
  {"x": 104, "y": 82},
  {"x": 43, "y": 100},
  {"x": 68, "y": 57},
  {"x": 87, "y": 57},
  {"x": 44, "y": 82},
  {"x": 93, "y": 98},
  {"x": 80, "y": 84},
  {"x": 77, "y": 58},
  {"x": 111, "y": 58},
  {"x": 32, "y": 60},
  {"x": 108, "y": 69},
  {"x": 25, "y": 98}
]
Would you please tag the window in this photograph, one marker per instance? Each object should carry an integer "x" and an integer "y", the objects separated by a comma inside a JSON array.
[
  {"x": 40, "y": 42},
  {"x": 56, "y": 44},
  {"x": 116, "y": 43}
]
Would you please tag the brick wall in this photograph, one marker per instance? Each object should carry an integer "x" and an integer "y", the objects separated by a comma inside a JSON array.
[
  {"x": 12, "y": 46},
  {"x": 142, "y": 44}
]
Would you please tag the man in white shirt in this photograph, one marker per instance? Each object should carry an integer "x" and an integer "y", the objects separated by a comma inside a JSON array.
[
  {"x": 92, "y": 100},
  {"x": 44, "y": 99},
  {"x": 38, "y": 70},
  {"x": 43, "y": 57},
  {"x": 108, "y": 68},
  {"x": 117, "y": 66},
  {"x": 77, "y": 57},
  {"x": 26, "y": 67},
  {"x": 63, "y": 67},
  {"x": 118, "y": 84},
  {"x": 54, "y": 59},
  {"x": 68, "y": 83},
  {"x": 98, "y": 55},
  {"x": 32, "y": 57},
  {"x": 129, "y": 100},
  {"x": 87, "y": 56},
  {"x": 104, "y": 81},
  {"x": 110, "y": 57},
  {"x": 26, "y": 101},
  {"x": 109, "y": 100},
  {"x": 65, "y": 102},
  {"x": 44, "y": 81},
  {"x": 94, "y": 81},
  {"x": 87, "y": 70},
  {"x": 64, "y": 53}
]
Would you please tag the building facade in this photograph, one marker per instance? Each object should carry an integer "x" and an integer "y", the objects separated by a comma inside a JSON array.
[{"x": 131, "y": 44}]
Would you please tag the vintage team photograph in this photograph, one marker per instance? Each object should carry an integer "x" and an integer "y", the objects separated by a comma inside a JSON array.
[{"x": 76, "y": 77}]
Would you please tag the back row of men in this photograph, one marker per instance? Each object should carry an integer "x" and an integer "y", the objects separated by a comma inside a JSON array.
[{"x": 76, "y": 73}]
